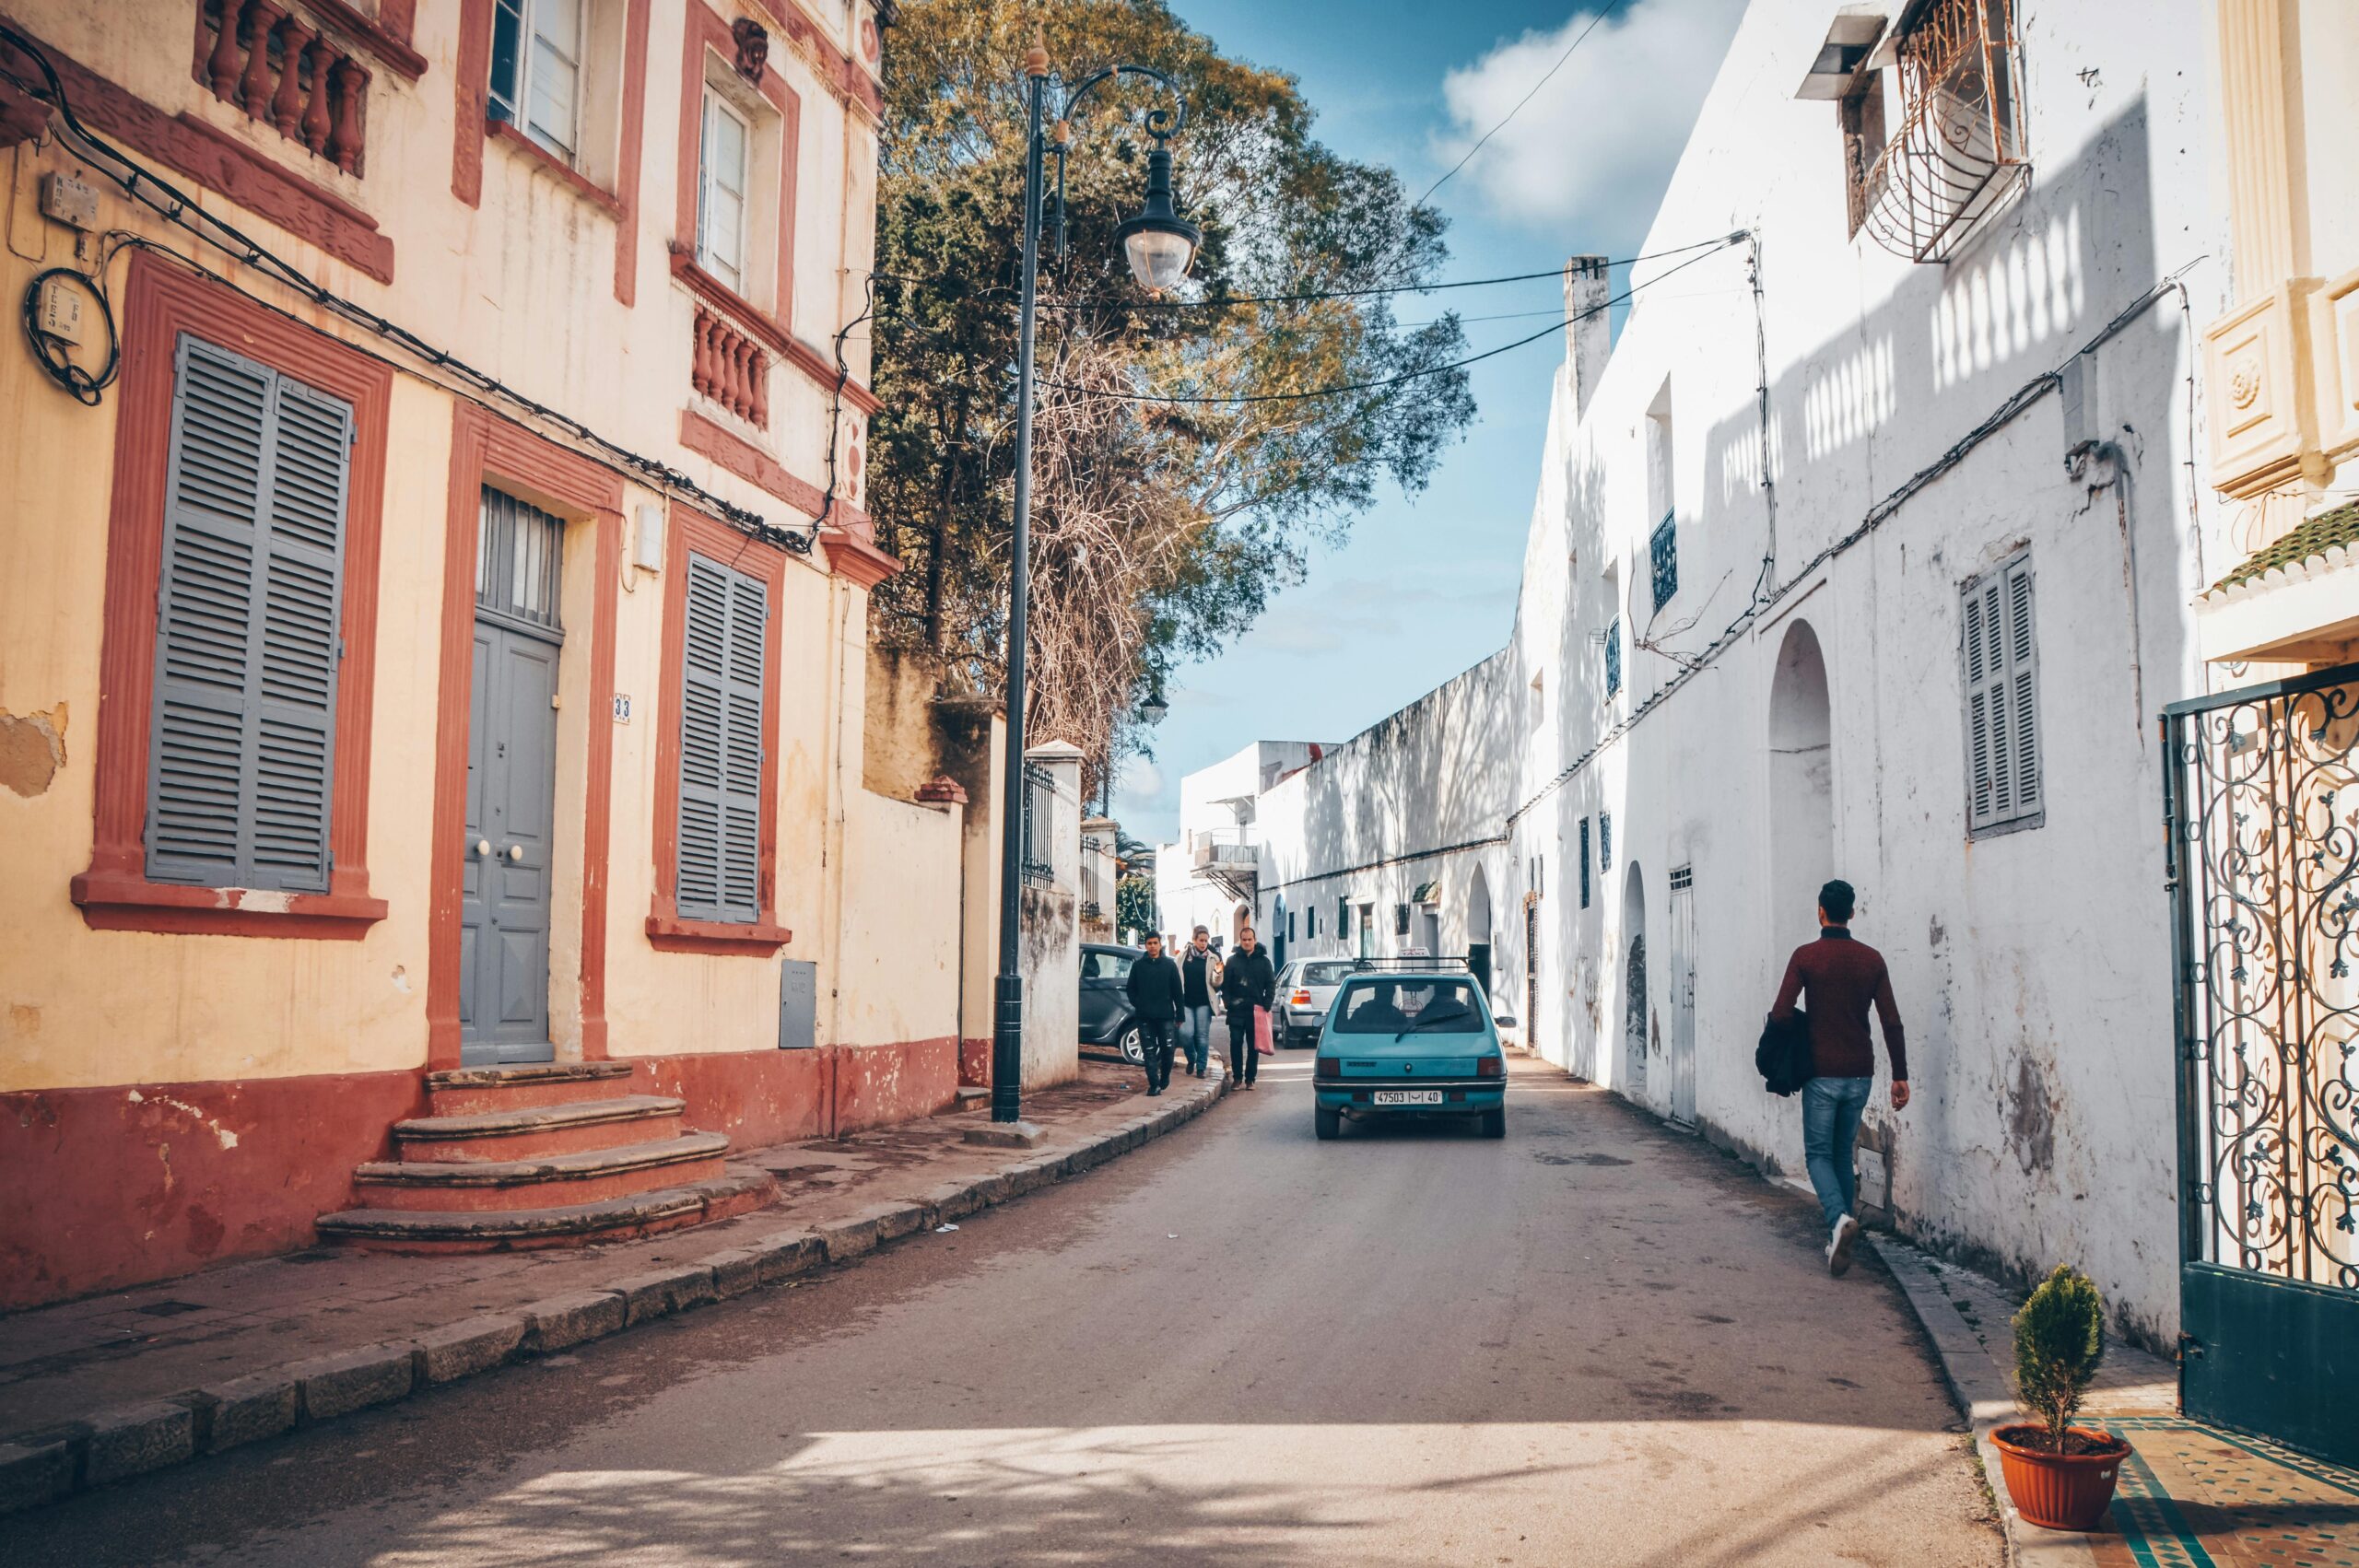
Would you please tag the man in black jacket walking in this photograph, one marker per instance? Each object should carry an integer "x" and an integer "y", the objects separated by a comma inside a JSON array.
[
  {"x": 1246, "y": 982},
  {"x": 1153, "y": 990}
]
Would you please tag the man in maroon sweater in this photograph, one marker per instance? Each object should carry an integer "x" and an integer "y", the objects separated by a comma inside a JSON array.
[{"x": 1842, "y": 977}]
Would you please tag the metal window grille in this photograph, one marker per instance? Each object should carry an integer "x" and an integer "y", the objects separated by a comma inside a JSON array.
[
  {"x": 1604, "y": 842},
  {"x": 1399, "y": 920},
  {"x": 1663, "y": 549},
  {"x": 1584, "y": 862},
  {"x": 518, "y": 560},
  {"x": 1613, "y": 656},
  {"x": 1998, "y": 652},
  {"x": 1681, "y": 878},
  {"x": 1039, "y": 815},
  {"x": 1958, "y": 149}
]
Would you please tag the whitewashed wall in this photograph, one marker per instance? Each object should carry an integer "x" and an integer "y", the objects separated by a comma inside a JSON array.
[{"x": 2032, "y": 967}]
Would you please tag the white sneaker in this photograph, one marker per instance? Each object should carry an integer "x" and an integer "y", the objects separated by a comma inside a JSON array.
[{"x": 1838, "y": 1247}]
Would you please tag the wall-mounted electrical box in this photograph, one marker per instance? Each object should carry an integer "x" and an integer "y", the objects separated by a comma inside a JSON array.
[
  {"x": 647, "y": 540},
  {"x": 64, "y": 199},
  {"x": 58, "y": 312}
]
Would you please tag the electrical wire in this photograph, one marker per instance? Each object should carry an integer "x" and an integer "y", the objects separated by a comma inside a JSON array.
[
  {"x": 2010, "y": 408},
  {"x": 1611, "y": 6},
  {"x": 183, "y": 211},
  {"x": 86, "y": 386},
  {"x": 1405, "y": 376}
]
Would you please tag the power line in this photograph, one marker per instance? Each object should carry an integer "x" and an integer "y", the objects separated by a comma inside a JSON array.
[
  {"x": 1407, "y": 375},
  {"x": 1527, "y": 98}
]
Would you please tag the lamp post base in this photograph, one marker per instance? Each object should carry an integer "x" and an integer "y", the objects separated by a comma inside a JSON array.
[{"x": 1006, "y": 1134}]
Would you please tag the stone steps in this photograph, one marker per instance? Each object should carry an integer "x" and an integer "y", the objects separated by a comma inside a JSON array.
[
  {"x": 739, "y": 1190},
  {"x": 469, "y": 1090},
  {"x": 530, "y": 1131},
  {"x": 584, "y": 1177},
  {"x": 552, "y": 1154}
]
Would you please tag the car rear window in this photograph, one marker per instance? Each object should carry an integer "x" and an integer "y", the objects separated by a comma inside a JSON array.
[
  {"x": 1107, "y": 965},
  {"x": 1392, "y": 1005},
  {"x": 1332, "y": 974}
]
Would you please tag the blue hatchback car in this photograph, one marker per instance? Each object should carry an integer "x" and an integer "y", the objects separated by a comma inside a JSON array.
[{"x": 1409, "y": 1042}]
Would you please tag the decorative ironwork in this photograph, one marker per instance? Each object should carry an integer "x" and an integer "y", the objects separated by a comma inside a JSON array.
[
  {"x": 1613, "y": 656},
  {"x": 1040, "y": 814},
  {"x": 1959, "y": 145},
  {"x": 2264, "y": 815},
  {"x": 1664, "y": 548}
]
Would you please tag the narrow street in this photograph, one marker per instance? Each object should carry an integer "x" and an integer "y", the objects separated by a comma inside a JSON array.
[{"x": 1596, "y": 1342}]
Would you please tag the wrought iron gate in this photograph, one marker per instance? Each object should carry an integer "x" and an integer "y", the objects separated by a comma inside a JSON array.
[{"x": 2261, "y": 795}]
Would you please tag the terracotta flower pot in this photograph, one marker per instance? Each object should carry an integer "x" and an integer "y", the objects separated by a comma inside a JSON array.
[{"x": 2059, "y": 1492}]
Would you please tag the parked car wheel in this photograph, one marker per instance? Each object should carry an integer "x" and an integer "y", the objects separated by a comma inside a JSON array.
[
  {"x": 1494, "y": 1123},
  {"x": 1328, "y": 1124},
  {"x": 1130, "y": 1044}
]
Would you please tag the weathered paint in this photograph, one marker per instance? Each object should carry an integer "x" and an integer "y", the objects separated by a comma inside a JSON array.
[
  {"x": 2032, "y": 966},
  {"x": 112, "y": 1186}
]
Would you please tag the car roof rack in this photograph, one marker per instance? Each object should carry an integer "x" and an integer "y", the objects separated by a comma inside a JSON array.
[{"x": 1453, "y": 962}]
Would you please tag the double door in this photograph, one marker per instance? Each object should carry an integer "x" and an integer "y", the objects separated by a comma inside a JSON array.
[{"x": 505, "y": 893}]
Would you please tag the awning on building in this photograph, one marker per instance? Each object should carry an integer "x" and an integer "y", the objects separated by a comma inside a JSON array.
[
  {"x": 2297, "y": 599},
  {"x": 1427, "y": 893}
]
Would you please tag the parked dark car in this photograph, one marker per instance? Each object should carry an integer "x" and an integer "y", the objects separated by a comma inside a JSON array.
[{"x": 1106, "y": 1020}]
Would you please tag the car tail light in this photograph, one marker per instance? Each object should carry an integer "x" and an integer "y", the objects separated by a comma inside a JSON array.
[
  {"x": 1490, "y": 1067},
  {"x": 1330, "y": 1067},
  {"x": 1302, "y": 999}
]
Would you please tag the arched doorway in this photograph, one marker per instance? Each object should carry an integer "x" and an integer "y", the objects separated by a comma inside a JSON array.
[
  {"x": 1238, "y": 919},
  {"x": 1801, "y": 788},
  {"x": 1637, "y": 1006},
  {"x": 1478, "y": 929}
]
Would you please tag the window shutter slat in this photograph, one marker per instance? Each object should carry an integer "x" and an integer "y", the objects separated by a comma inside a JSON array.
[
  {"x": 2023, "y": 672},
  {"x": 720, "y": 752},
  {"x": 248, "y": 610},
  {"x": 2002, "y": 708}
]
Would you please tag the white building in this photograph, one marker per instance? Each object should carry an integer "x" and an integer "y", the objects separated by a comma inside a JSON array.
[
  {"x": 1212, "y": 876},
  {"x": 1868, "y": 551}
]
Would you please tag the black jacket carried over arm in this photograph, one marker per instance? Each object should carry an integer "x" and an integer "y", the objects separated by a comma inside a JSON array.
[
  {"x": 1153, "y": 990},
  {"x": 1249, "y": 982}
]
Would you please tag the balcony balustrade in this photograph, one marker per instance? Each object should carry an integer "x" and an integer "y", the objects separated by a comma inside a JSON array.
[
  {"x": 731, "y": 369},
  {"x": 280, "y": 66}
]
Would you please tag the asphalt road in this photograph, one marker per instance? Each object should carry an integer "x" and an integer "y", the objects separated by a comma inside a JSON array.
[{"x": 1597, "y": 1341}]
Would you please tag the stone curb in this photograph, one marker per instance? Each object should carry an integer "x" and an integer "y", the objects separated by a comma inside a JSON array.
[
  {"x": 1983, "y": 1397},
  {"x": 118, "y": 1442}
]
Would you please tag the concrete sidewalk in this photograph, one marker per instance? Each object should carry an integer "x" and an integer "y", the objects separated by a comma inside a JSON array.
[
  {"x": 95, "y": 1390},
  {"x": 2190, "y": 1495}
]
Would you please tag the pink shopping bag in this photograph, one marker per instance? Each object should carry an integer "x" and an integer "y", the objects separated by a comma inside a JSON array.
[{"x": 1261, "y": 1032}]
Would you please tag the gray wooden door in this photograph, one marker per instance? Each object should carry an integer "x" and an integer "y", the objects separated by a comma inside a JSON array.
[
  {"x": 511, "y": 788},
  {"x": 1682, "y": 994}
]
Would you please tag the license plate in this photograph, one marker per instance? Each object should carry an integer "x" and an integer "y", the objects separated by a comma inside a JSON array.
[{"x": 1408, "y": 1096}]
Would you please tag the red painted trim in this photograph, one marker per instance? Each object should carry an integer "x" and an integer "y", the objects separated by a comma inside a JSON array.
[
  {"x": 741, "y": 311},
  {"x": 117, "y": 903},
  {"x": 634, "y": 132},
  {"x": 674, "y": 935},
  {"x": 161, "y": 302},
  {"x": 665, "y": 926},
  {"x": 220, "y": 162},
  {"x": 852, "y": 556},
  {"x": 388, "y": 37},
  {"x": 122, "y": 1184},
  {"x": 470, "y": 88},
  {"x": 550, "y": 164},
  {"x": 485, "y": 448},
  {"x": 748, "y": 462},
  {"x": 706, "y": 30},
  {"x": 842, "y": 75}
]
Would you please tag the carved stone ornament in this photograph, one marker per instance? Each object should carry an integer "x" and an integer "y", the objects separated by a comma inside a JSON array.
[
  {"x": 2244, "y": 382},
  {"x": 753, "y": 47}
]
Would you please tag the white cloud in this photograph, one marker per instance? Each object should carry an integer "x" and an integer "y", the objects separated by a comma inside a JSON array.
[
  {"x": 1598, "y": 143},
  {"x": 1138, "y": 787}
]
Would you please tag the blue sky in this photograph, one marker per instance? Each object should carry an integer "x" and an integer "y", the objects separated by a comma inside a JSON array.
[{"x": 1426, "y": 585}]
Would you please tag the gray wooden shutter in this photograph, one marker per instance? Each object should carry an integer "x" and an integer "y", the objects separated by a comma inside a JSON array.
[
  {"x": 249, "y": 603},
  {"x": 2001, "y": 707},
  {"x": 722, "y": 699}
]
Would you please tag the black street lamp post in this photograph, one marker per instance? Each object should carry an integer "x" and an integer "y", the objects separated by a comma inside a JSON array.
[{"x": 1159, "y": 245}]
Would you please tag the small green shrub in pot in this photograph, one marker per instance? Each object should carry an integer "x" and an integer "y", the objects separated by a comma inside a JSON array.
[{"x": 2059, "y": 1340}]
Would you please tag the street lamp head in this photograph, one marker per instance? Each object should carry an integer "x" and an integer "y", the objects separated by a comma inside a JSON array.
[
  {"x": 1154, "y": 707},
  {"x": 1159, "y": 243}
]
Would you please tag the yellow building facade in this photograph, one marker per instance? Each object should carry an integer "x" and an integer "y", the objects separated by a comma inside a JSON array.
[{"x": 433, "y": 604}]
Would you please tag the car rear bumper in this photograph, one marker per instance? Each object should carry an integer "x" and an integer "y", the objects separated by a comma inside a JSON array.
[{"x": 1458, "y": 1096}]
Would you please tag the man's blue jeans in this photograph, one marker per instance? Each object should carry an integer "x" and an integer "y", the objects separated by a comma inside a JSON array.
[
  {"x": 1196, "y": 1034},
  {"x": 1831, "y": 1108}
]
